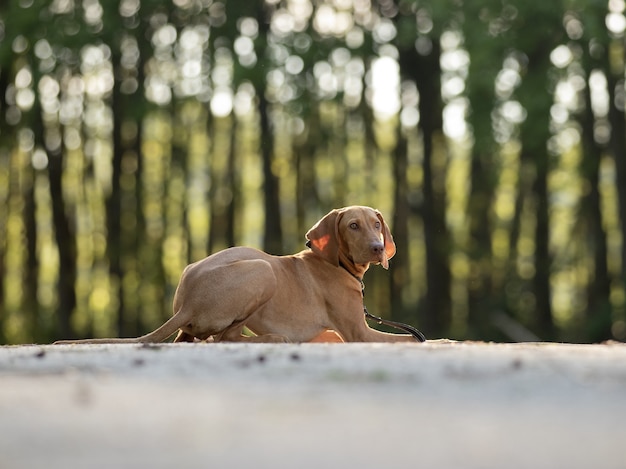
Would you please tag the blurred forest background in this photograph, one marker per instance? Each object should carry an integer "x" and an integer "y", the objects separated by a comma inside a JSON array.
[{"x": 139, "y": 135}]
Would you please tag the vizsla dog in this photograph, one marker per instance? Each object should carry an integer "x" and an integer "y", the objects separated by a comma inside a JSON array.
[{"x": 295, "y": 298}]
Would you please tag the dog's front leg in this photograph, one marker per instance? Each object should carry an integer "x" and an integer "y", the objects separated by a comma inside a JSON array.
[{"x": 353, "y": 327}]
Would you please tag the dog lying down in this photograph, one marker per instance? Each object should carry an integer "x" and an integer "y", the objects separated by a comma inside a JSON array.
[{"x": 312, "y": 296}]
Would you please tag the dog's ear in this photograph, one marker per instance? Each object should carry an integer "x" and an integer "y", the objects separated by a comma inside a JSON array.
[
  {"x": 322, "y": 238},
  {"x": 390, "y": 246}
]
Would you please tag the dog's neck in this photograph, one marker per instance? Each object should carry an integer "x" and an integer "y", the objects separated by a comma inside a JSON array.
[
  {"x": 348, "y": 264},
  {"x": 354, "y": 269}
]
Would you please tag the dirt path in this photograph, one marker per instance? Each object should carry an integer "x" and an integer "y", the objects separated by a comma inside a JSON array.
[{"x": 313, "y": 406}]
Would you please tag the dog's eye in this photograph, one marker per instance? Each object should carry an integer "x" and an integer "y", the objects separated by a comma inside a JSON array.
[
  {"x": 354, "y": 226},
  {"x": 377, "y": 225}
]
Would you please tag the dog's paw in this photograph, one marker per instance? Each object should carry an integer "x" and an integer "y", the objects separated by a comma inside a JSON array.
[{"x": 328, "y": 336}]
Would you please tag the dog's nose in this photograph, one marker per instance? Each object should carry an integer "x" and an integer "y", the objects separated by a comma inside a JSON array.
[{"x": 377, "y": 248}]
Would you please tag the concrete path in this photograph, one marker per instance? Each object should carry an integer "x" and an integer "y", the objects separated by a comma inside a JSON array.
[{"x": 456, "y": 405}]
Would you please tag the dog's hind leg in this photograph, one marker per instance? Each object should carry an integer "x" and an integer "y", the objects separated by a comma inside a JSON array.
[{"x": 219, "y": 300}]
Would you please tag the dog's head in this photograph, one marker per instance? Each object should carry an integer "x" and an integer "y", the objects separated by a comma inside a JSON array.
[{"x": 357, "y": 234}]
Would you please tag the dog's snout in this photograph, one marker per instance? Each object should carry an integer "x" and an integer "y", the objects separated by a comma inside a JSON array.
[{"x": 377, "y": 248}]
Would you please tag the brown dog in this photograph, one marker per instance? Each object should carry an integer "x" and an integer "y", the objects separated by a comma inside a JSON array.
[{"x": 296, "y": 298}]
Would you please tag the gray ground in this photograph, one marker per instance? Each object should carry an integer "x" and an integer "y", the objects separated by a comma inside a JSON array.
[{"x": 458, "y": 405}]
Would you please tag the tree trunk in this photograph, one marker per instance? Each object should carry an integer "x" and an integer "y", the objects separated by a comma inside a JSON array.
[
  {"x": 480, "y": 300},
  {"x": 222, "y": 192},
  {"x": 535, "y": 133},
  {"x": 400, "y": 276},
  {"x": 6, "y": 142},
  {"x": 65, "y": 237},
  {"x": 599, "y": 310},
  {"x": 114, "y": 202},
  {"x": 304, "y": 153},
  {"x": 233, "y": 186},
  {"x": 617, "y": 147},
  {"x": 543, "y": 257},
  {"x": 31, "y": 274},
  {"x": 480, "y": 85},
  {"x": 427, "y": 74},
  {"x": 64, "y": 226},
  {"x": 273, "y": 233}
]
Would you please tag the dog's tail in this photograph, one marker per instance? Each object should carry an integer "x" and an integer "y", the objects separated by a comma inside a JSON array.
[{"x": 168, "y": 328}]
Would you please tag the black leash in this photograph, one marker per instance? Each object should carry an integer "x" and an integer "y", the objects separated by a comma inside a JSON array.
[{"x": 417, "y": 335}]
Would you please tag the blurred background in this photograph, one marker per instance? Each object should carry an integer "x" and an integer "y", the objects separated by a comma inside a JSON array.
[{"x": 137, "y": 136}]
